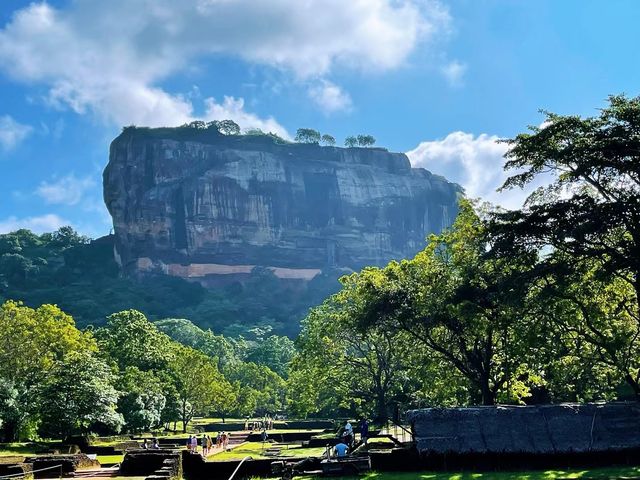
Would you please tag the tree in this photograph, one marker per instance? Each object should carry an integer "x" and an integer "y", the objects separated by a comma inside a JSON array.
[
  {"x": 259, "y": 385},
  {"x": 274, "y": 352},
  {"x": 359, "y": 370},
  {"x": 132, "y": 340},
  {"x": 32, "y": 341},
  {"x": 462, "y": 303},
  {"x": 365, "y": 140},
  {"x": 226, "y": 127},
  {"x": 78, "y": 394},
  {"x": 185, "y": 332},
  {"x": 307, "y": 135},
  {"x": 350, "y": 141},
  {"x": 199, "y": 384},
  {"x": 142, "y": 400},
  {"x": 589, "y": 216},
  {"x": 328, "y": 140},
  {"x": 197, "y": 124}
]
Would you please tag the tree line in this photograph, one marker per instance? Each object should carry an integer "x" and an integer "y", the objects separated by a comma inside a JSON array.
[
  {"x": 131, "y": 375},
  {"x": 536, "y": 305}
]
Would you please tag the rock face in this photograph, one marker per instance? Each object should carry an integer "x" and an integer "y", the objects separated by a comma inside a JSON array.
[{"x": 201, "y": 205}]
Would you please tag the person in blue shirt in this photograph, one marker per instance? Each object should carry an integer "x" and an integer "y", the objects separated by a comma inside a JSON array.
[{"x": 341, "y": 450}]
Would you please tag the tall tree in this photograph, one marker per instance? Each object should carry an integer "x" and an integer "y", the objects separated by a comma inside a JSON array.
[
  {"x": 307, "y": 135},
  {"x": 328, "y": 140},
  {"x": 78, "y": 394},
  {"x": 463, "y": 304},
  {"x": 365, "y": 140},
  {"x": 199, "y": 384},
  {"x": 131, "y": 340},
  {"x": 591, "y": 211}
]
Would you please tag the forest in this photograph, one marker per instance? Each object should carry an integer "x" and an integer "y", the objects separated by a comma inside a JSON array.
[{"x": 527, "y": 306}]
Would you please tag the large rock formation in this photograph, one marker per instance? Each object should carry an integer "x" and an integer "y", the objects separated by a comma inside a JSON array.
[{"x": 201, "y": 205}]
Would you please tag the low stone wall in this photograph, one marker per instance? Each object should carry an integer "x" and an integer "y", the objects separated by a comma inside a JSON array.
[
  {"x": 196, "y": 468},
  {"x": 67, "y": 464},
  {"x": 147, "y": 462},
  {"x": 563, "y": 435},
  {"x": 25, "y": 469},
  {"x": 543, "y": 429}
]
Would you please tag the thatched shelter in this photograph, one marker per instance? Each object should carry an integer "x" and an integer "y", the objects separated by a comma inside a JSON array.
[{"x": 544, "y": 429}]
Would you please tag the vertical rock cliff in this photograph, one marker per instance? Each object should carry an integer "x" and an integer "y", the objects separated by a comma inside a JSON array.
[{"x": 204, "y": 206}]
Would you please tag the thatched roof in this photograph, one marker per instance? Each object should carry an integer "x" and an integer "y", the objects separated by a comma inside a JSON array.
[{"x": 548, "y": 429}]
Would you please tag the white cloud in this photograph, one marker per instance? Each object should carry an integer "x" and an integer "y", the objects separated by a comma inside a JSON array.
[
  {"x": 67, "y": 190},
  {"x": 40, "y": 224},
  {"x": 12, "y": 132},
  {"x": 475, "y": 162},
  {"x": 233, "y": 109},
  {"x": 454, "y": 72},
  {"x": 109, "y": 57},
  {"x": 330, "y": 97}
]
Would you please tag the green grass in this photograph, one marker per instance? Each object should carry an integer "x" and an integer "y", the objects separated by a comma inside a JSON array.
[
  {"x": 256, "y": 451},
  {"x": 598, "y": 473},
  {"x": 110, "y": 459},
  {"x": 13, "y": 449}
]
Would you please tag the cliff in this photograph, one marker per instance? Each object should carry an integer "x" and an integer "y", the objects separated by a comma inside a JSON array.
[{"x": 204, "y": 206}]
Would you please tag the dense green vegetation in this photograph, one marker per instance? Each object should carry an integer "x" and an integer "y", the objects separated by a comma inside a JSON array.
[
  {"x": 523, "y": 307},
  {"x": 57, "y": 381},
  {"x": 528, "y": 306},
  {"x": 82, "y": 278}
]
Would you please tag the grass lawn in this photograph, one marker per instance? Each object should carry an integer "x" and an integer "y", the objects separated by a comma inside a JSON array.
[
  {"x": 110, "y": 459},
  {"x": 255, "y": 450},
  {"x": 598, "y": 473},
  {"x": 12, "y": 449}
]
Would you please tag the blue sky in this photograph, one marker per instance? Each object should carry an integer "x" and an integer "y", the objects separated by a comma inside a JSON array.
[{"x": 441, "y": 80}]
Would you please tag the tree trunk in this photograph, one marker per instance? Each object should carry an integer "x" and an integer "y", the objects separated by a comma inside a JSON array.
[
  {"x": 488, "y": 396},
  {"x": 633, "y": 384},
  {"x": 381, "y": 408},
  {"x": 185, "y": 420}
]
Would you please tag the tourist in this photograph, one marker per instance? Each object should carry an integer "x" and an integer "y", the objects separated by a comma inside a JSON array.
[
  {"x": 225, "y": 440},
  {"x": 144, "y": 444},
  {"x": 189, "y": 442},
  {"x": 364, "y": 430},
  {"x": 218, "y": 440},
  {"x": 341, "y": 450},
  {"x": 205, "y": 449},
  {"x": 209, "y": 443},
  {"x": 264, "y": 435},
  {"x": 347, "y": 433},
  {"x": 155, "y": 444},
  {"x": 246, "y": 424},
  {"x": 194, "y": 444}
]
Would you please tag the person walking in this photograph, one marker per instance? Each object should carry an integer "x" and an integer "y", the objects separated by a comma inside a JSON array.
[
  {"x": 194, "y": 444},
  {"x": 364, "y": 430},
  {"x": 189, "y": 443},
  {"x": 205, "y": 449}
]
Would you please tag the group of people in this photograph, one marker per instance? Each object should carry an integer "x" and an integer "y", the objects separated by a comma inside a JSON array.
[
  {"x": 347, "y": 439},
  {"x": 265, "y": 424},
  {"x": 207, "y": 443},
  {"x": 154, "y": 444}
]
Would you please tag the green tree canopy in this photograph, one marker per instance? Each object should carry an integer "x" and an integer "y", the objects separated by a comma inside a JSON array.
[
  {"x": 130, "y": 339},
  {"x": 350, "y": 141},
  {"x": 328, "y": 140},
  {"x": 587, "y": 219},
  {"x": 307, "y": 135},
  {"x": 365, "y": 140},
  {"x": 78, "y": 394}
]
